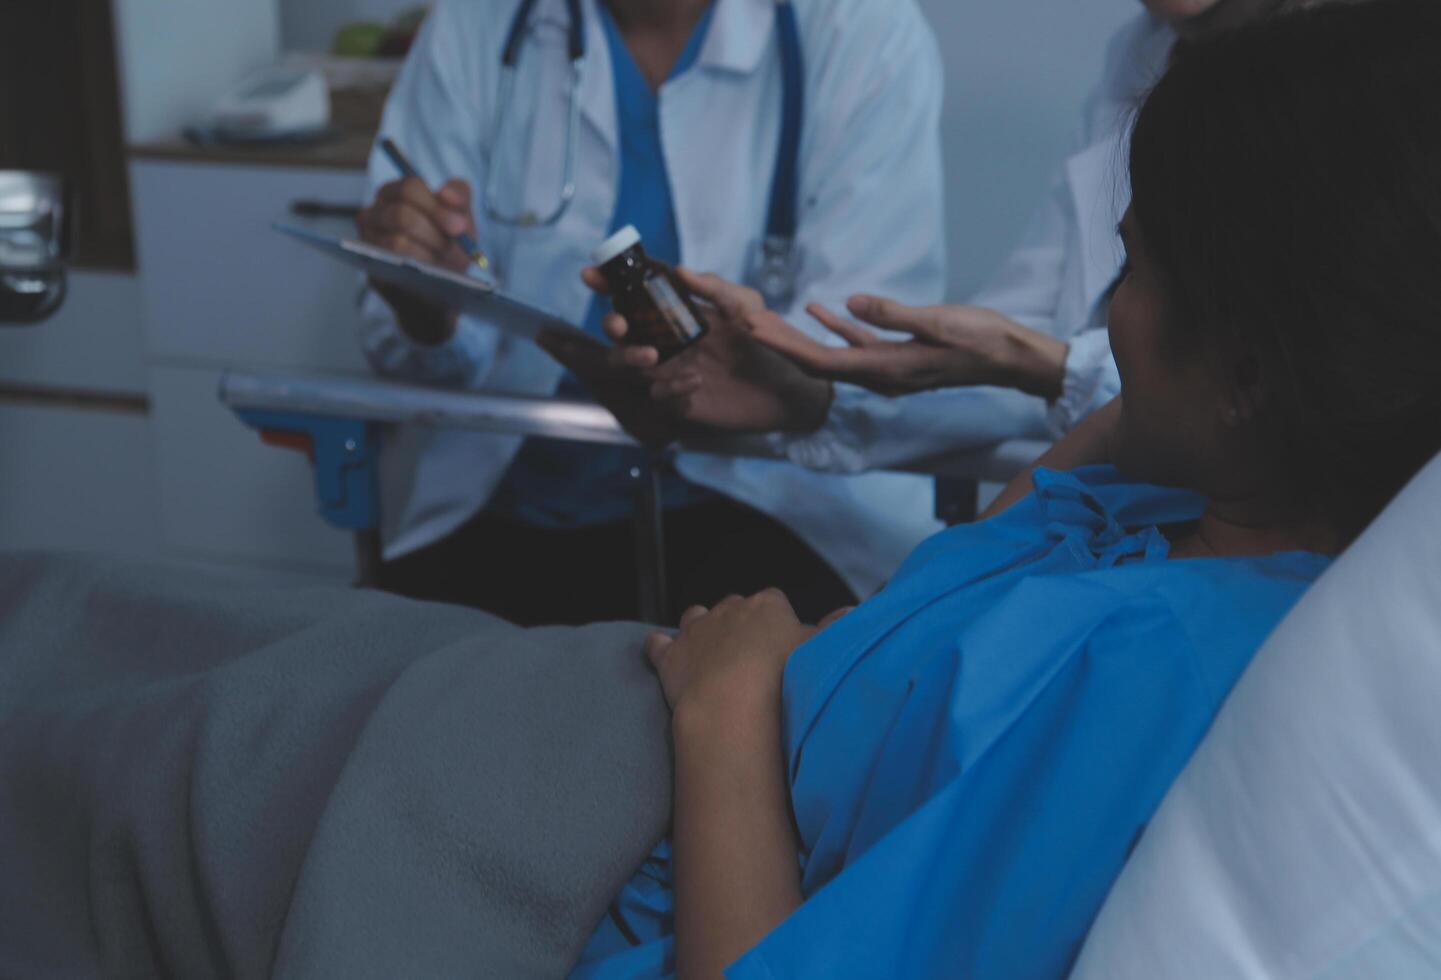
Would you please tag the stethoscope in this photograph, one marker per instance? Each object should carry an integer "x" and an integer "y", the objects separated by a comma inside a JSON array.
[{"x": 775, "y": 259}]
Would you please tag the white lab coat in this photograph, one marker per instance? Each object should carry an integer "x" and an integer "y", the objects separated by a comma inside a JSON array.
[
  {"x": 1055, "y": 281},
  {"x": 870, "y": 219}
]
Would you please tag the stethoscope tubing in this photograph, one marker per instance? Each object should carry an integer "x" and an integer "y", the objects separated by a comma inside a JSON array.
[{"x": 782, "y": 219}]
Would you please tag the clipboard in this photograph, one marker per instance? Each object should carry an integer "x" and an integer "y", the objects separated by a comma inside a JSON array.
[{"x": 464, "y": 294}]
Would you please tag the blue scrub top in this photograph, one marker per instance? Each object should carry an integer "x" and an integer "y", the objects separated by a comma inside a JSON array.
[
  {"x": 973, "y": 753},
  {"x": 558, "y": 484}
]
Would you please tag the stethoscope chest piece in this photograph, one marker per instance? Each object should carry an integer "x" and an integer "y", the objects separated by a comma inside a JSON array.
[{"x": 775, "y": 268}]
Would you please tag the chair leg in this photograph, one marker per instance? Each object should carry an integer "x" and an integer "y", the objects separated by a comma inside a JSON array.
[
  {"x": 957, "y": 500},
  {"x": 649, "y": 525},
  {"x": 367, "y": 558}
]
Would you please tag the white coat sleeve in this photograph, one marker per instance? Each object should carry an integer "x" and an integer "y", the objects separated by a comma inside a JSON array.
[
  {"x": 872, "y": 220},
  {"x": 1091, "y": 380},
  {"x": 868, "y": 431},
  {"x": 433, "y": 114},
  {"x": 1027, "y": 288},
  {"x": 871, "y": 183}
]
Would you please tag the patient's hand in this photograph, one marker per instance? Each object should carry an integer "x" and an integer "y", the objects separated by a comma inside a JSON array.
[
  {"x": 733, "y": 832},
  {"x": 948, "y": 347},
  {"x": 729, "y": 657}
]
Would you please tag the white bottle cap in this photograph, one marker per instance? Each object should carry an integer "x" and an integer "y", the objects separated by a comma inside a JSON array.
[{"x": 626, "y": 238}]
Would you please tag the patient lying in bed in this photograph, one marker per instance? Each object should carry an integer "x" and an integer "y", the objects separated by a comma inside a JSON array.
[
  {"x": 200, "y": 777},
  {"x": 966, "y": 759},
  {"x": 970, "y": 755}
]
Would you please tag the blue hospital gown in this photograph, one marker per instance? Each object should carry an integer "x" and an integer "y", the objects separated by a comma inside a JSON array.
[{"x": 973, "y": 752}]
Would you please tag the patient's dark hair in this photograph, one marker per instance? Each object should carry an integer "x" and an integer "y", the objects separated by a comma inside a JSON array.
[{"x": 1286, "y": 180}]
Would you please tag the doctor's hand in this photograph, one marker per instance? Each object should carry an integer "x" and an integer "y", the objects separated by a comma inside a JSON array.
[
  {"x": 654, "y": 423},
  {"x": 725, "y": 381},
  {"x": 949, "y": 346},
  {"x": 409, "y": 218}
]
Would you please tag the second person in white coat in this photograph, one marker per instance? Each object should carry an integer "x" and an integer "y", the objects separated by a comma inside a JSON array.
[{"x": 1029, "y": 356}]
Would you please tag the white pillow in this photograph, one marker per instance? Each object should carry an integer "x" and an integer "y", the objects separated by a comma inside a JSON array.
[{"x": 1304, "y": 837}]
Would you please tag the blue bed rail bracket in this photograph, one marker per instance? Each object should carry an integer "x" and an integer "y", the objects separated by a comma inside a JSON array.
[{"x": 345, "y": 454}]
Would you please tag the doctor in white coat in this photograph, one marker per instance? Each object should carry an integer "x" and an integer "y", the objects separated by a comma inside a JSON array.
[
  {"x": 1031, "y": 348},
  {"x": 678, "y": 127}
]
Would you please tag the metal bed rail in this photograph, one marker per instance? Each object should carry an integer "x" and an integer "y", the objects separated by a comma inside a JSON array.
[{"x": 336, "y": 419}]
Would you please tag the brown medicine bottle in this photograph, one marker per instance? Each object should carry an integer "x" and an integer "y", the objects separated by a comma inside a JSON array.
[{"x": 657, "y": 308}]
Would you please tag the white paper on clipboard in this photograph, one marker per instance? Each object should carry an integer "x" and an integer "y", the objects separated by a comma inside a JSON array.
[{"x": 451, "y": 290}]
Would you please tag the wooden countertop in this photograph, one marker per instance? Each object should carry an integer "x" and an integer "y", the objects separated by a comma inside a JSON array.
[{"x": 348, "y": 151}]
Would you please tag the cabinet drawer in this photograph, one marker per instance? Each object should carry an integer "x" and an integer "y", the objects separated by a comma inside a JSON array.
[
  {"x": 75, "y": 479},
  {"x": 221, "y": 287},
  {"x": 92, "y": 343}
]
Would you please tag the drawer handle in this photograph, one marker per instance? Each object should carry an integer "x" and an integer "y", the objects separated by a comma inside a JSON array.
[{"x": 324, "y": 209}]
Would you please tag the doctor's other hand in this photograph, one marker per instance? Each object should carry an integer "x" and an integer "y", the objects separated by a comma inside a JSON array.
[
  {"x": 948, "y": 347},
  {"x": 409, "y": 218},
  {"x": 726, "y": 381}
]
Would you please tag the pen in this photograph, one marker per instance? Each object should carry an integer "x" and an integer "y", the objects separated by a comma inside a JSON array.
[{"x": 406, "y": 169}]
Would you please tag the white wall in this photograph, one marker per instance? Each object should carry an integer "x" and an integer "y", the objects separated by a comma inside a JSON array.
[
  {"x": 177, "y": 57},
  {"x": 1017, "y": 72}
]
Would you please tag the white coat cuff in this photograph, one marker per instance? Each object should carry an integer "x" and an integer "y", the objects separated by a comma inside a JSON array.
[
  {"x": 1091, "y": 381},
  {"x": 393, "y": 354},
  {"x": 836, "y": 447},
  {"x": 453, "y": 361}
]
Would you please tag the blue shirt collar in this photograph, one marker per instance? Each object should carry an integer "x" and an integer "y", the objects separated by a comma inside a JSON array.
[{"x": 629, "y": 80}]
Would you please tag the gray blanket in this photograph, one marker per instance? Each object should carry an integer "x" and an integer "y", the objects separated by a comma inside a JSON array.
[{"x": 209, "y": 776}]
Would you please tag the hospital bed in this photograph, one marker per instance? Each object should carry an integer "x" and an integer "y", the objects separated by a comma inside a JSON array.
[
  {"x": 1301, "y": 842},
  {"x": 1303, "y": 838},
  {"x": 337, "y": 421}
]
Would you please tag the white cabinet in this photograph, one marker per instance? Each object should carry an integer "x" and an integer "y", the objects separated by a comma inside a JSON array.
[
  {"x": 220, "y": 289},
  {"x": 158, "y": 465},
  {"x": 76, "y": 460},
  {"x": 111, "y": 435},
  {"x": 226, "y": 496},
  {"x": 77, "y": 479},
  {"x": 92, "y": 343},
  {"x": 219, "y": 286}
]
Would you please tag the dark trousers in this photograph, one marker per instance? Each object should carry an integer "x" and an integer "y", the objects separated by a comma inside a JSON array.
[{"x": 539, "y": 576}]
